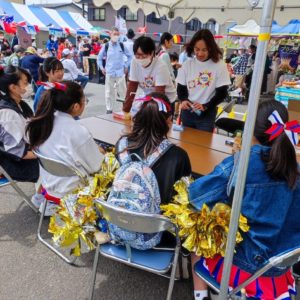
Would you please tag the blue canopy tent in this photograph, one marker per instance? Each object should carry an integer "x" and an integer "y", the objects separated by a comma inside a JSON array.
[{"x": 292, "y": 28}]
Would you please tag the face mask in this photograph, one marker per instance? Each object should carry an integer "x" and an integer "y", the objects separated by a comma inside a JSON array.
[
  {"x": 114, "y": 38},
  {"x": 28, "y": 93},
  {"x": 144, "y": 62}
]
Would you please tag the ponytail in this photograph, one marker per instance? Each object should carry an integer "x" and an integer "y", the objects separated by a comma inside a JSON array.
[
  {"x": 166, "y": 36},
  {"x": 281, "y": 161},
  {"x": 40, "y": 127},
  {"x": 49, "y": 64}
]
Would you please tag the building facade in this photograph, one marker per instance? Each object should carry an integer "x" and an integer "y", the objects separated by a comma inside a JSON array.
[{"x": 104, "y": 16}]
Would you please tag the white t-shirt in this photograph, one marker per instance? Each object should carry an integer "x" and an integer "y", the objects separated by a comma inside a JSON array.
[
  {"x": 71, "y": 143},
  {"x": 71, "y": 70},
  {"x": 157, "y": 74},
  {"x": 202, "y": 78}
]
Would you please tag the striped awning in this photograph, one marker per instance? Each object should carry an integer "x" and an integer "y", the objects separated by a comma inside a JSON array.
[{"x": 46, "y": 17}]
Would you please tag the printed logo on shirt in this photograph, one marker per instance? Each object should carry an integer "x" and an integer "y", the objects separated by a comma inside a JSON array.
[
  {"x": 203, "y": 80},
  {"x": 148, "y": 82}
]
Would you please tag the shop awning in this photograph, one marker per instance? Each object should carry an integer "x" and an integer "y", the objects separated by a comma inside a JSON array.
[{"x": 45, "y": 17}]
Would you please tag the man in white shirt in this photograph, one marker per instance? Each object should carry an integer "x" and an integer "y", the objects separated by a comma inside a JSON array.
[{"x": 72, "y": 73}]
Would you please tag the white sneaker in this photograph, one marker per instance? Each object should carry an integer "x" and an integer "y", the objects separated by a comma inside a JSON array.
[
  {"x": 51, "y": 209},
  {"x": 37, "y": 200}
]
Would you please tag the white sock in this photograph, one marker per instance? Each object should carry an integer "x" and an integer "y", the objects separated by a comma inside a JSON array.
[{"x": 199, "y": 295}]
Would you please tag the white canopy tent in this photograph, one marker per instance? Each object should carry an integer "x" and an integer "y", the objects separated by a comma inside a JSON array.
[
  {"x": 262, "y": 11},
  {"x": 221, "y": 10}
]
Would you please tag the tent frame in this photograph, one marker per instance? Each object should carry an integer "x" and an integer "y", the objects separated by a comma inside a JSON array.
[{"x": 261, "y": 53}]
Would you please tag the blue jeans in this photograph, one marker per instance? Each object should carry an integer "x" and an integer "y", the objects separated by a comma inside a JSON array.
[
  {"x": 206, "y": 121},
  {"x": 83, "y": 80}
]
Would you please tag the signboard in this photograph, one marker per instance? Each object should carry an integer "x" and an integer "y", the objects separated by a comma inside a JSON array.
[
  {"x": 57, "y": 32},
  {"x": 23, "y": 37}
]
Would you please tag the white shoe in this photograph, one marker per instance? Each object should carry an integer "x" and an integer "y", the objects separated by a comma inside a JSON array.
[
  {"x": 51, "y": 209},
  {"x": 37, "y": 200}
]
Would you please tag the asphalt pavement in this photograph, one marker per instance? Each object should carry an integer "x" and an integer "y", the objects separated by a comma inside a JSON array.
[{"x": 28, "y": 270}]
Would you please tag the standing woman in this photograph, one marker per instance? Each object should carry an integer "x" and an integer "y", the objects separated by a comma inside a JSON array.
[
  {"x": 166, "y": 43},
  {"x": 202, "y": 82}
]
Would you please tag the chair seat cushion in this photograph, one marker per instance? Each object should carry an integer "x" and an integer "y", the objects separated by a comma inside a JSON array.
[
  {"x": 158, "y": 260},
  {"x": 203, "y": 272}
]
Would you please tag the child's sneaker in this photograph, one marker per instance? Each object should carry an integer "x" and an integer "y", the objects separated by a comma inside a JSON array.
[
  {"x": 3, "y": 180},
  {"x": 50, "y": 209},
  {"x": 37, "y": 200}
]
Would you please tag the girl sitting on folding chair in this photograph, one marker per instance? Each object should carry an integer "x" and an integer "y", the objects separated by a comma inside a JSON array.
[
  {"x": 150, "y": 165},
  {"x": 271, "y": 204},
  {"x": 52, "y": 70},
  {"x": 55, "y": 134},
  {"x": 16, "y": 157}
]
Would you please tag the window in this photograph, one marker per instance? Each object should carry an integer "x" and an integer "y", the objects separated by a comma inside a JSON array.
[
  {"x": 98, "y": 14},
  {"x": 127, "y": 15},
  {"x": 152, "y": 19},
  {"x": 193, "y": 25}
]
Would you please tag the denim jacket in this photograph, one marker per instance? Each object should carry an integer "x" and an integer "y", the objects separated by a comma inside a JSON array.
[{"x": 271, "y": 207}]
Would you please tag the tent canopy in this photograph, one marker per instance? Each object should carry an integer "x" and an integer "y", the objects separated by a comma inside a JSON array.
[
  {"x": 221, "y": 10},
  {"x": 251, "y": 28},
  {"x": 45, "y": 17}
]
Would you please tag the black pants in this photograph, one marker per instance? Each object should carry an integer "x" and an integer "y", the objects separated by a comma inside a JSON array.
[{"x": 25, "y": 170}]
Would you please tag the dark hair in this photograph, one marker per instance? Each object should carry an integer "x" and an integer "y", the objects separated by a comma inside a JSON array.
[
  {"x": 49, "y": 64},
  {"x": 173, "y": 56},
  {"x": 130, "y": 33},
  {"x": 166, "y": 36},
  {"x": 281, "y": 161},
  {"x": 146, "y": 44},
  {"x": 150, "y": 126},
  {"x": 50, "y": 36},
  {"x": 11, "y": 75},
  {"x": 19, "y": 49},
  {"x": 205, "y": 35},
  {"x": 252, "y": 47},
  {"x": 41, "y": 125}
]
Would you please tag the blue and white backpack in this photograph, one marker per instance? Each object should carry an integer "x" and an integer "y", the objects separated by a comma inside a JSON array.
[{"x": 135, "y": 188}]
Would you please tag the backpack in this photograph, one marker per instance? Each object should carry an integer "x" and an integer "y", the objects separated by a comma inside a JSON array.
[
  {"x": 107, "y": 45},
  {"x": 135, "y": 188}
]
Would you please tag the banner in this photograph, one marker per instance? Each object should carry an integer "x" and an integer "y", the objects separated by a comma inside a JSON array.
[
  {"x": 120, "y": 23},
  {"x": 23, "y": 37}
]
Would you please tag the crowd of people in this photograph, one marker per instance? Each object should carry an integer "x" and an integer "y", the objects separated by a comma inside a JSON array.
[{"x": 200, "y": 83}]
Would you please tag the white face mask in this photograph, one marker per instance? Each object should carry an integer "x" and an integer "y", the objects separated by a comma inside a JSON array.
[
  {"x": 28, "y": 93},
  {"x": 144, "y": 62},
  {"x": 114, "y": 38}
]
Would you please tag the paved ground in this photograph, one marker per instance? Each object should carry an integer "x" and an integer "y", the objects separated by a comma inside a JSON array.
[{"x": 30, "y": 271}]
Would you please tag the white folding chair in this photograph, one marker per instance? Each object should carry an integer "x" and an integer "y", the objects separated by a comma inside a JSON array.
[
  {"x": 282, "y": 260},
  {"x": 9, "y": 181},
  {"x": 156, "y": 260},
  {"x": 56, "y": 168}
]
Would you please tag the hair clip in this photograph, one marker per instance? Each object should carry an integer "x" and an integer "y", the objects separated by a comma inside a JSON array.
[
  {"x": 162, "y": 104},
  {"x": 291, "y": 128},
  {"x": 53, "y": 85}
]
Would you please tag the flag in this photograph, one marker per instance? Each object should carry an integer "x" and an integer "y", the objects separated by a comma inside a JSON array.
[
  {"x": 9, "y": 29},
  {"x": 177, "y": 39},
  {"x": 37, "y": 28},
  {"x": 157, "y": 34},
  {"x": 120, "y": 23},
  {"x": 67, "y": 30},
  {"x": 142, "y": 29}
]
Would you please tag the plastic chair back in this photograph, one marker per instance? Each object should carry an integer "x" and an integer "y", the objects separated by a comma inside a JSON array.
[
  {"x": 58, "y": 168},
  {"x": 133, "y": 221}
]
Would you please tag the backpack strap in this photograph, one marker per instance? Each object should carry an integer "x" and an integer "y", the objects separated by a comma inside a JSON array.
[
  {"x": 123, "y": 154},
  {"x": 107, "y": 45},
  {"x": 163, "y": 147}
]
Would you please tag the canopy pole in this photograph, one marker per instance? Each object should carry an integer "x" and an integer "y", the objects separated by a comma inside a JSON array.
[{"x": 259, "y": 66}]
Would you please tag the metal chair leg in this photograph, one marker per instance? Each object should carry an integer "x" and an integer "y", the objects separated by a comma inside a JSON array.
[
  {"x": 18, "y": 190},
  {"x": 173, "y": 272},
  {"x": 48, "y": 245},
  {"x": 94, "y": 273}
]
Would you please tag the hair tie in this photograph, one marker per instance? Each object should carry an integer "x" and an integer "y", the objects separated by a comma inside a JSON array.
[
  {"x": 162, "y": 104},
  {"x": 291, "y": 128},
  {"x": 53, "y": 85}
]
